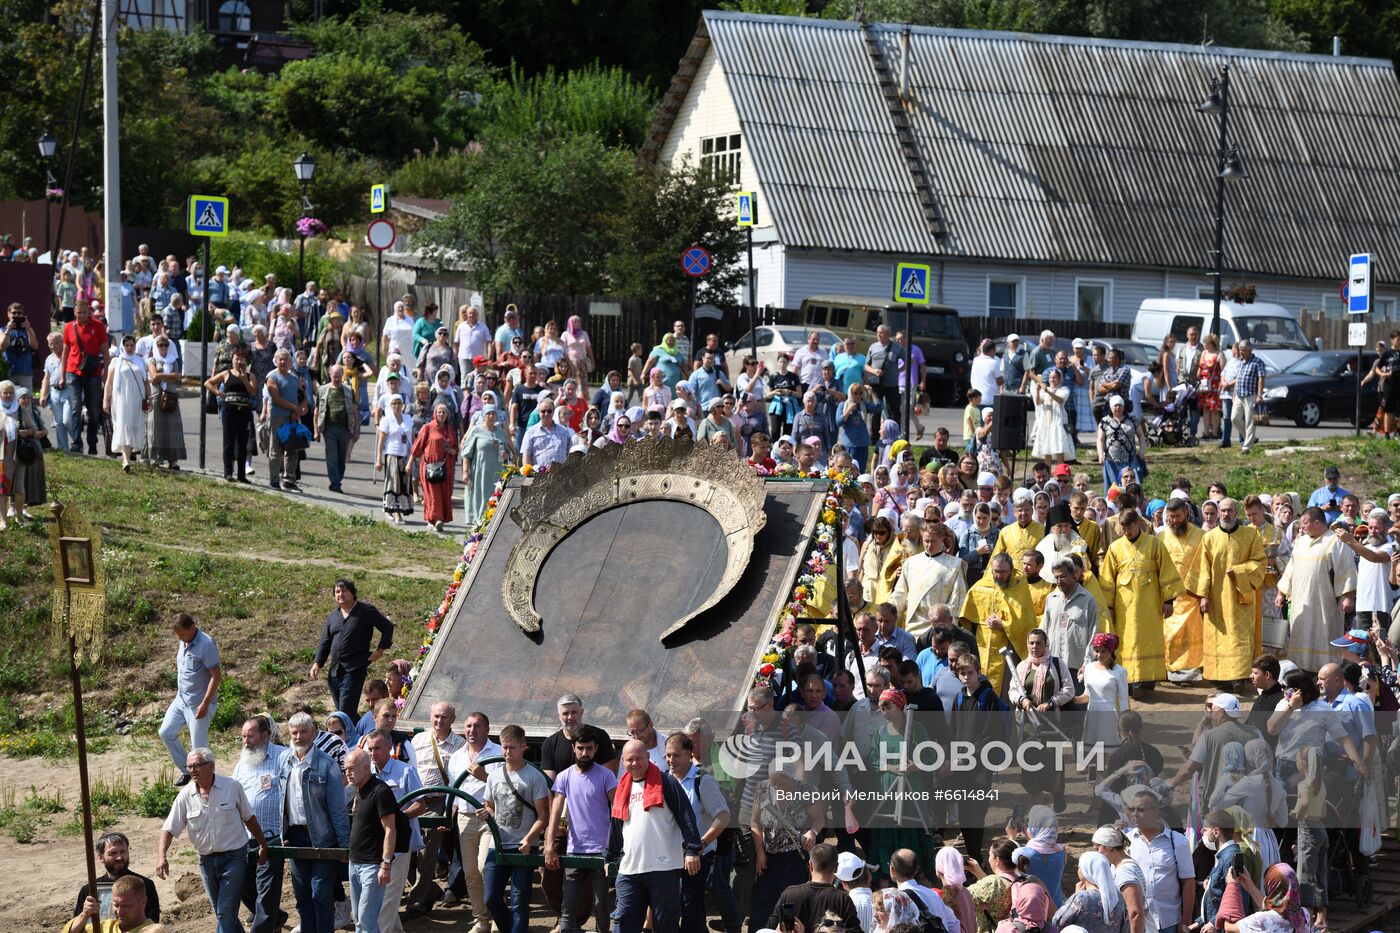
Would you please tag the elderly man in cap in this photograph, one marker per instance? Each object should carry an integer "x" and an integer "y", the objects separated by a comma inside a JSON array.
[
  {"x": 1329, "y": 495},
  {"x": 1014, "y": 366}
]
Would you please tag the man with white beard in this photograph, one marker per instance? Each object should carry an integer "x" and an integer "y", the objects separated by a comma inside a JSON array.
[
  {"x": 314, "y": 816},
  {"x": 1061, "y": 538},
  {"x": 258, "y": 765}
]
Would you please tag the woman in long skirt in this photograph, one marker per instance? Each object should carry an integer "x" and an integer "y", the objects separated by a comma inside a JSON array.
[
  {"x": 125, "y": 399},
  {"x": 436, "y": 447},
  {"x": 167, "y": 432},
  {"x": 35, "y": 480},
  {"x": 485, "y": 448},
  {"x": 395, "y": 436}
]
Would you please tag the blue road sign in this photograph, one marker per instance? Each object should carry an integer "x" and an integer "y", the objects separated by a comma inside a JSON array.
[
  {"x": 695, "y": 262},
  {"x": 743, "y": 209},
  {"x": 1359, "y": 284},
  {"x": 208, "y": 215},
  {"x": 911, "y": 283}
]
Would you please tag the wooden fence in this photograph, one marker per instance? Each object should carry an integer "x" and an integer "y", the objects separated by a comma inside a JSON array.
[{"x": 1333, "y": 330}]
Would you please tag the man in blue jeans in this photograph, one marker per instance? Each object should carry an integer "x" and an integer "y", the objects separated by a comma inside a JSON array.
[
  {"x": 517, "y": 798},
  {"x": 197, "y": 676},
  {"x": 221, "y": 844},
  {"x": 653, "y": 831},
  {"x": 337, "y": 421},
  {"x": 313, "y": 816},
  {"x": 378, "y": 833}
]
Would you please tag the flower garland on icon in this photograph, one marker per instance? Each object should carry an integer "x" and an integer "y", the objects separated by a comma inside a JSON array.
[
  {"x": 459, "y": 573},
  {"x": 819, "y": 557}
]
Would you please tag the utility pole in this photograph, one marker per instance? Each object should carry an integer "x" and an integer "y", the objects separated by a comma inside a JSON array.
[{"x": 111, "y": 167}]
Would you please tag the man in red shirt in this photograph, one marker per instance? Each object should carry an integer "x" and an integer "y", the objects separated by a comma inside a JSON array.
[{"x": 89, "y": 350}]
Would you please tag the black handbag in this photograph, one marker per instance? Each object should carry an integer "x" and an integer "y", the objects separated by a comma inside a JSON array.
[
  {"x": 28, "y": 450},
  {"x": 435, "y": 471}
]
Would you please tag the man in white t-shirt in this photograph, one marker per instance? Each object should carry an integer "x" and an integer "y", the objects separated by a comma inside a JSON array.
[
  {"x": 1374, "y": 597},
  {"x": 398, "y": 332},
  {"x": 985, "y": 375},
  {"x": 653, "y": 831},
  {"x": 471, "y": 831},
  {"x": 472, "y": 338}
]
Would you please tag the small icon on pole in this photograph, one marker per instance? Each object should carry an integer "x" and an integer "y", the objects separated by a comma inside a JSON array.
[{"x": 911, "y": 283}]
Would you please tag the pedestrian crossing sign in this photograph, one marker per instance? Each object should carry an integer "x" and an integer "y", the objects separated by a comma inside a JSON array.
[
  {"x": 377, "y": 199},
  {"x": 743, "y": 208},
  {"x": 911, "y": 283},
  {"x": 208, "y": 215}
]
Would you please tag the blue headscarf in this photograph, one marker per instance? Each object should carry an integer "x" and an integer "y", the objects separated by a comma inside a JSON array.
[{"x": 351, "y": 736}]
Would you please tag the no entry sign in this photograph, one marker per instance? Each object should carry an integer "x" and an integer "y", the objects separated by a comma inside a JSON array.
[{"x": 381, "y": 235}]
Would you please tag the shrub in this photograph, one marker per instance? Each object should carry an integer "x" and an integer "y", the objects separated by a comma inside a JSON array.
[{"x": 154, "y": 800}]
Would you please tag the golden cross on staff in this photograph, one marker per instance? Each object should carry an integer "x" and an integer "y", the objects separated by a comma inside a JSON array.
[{"x": 79, "y": 619}]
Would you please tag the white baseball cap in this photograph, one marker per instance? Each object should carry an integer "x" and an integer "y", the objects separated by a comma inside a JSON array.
[
  {"x": 849, "y": 866},
  {"x": 1013, "y": 338},
  {"x": 1227, "y": 703}
]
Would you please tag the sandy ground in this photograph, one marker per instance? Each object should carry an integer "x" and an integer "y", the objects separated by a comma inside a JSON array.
[{"x": 43, "y": 877}]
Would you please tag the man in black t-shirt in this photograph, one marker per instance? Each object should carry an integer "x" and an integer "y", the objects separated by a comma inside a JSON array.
[
  {"x": 814, "y": 899},
  {"x": 113, "y": 852},
  {"x": 378, "y": 832},
  {"x": 1389, "y": 366},
  {"x": 524, "y": 398},
  {"x": 1264, "y": 674},
  {"x": 557, "y": 752}
]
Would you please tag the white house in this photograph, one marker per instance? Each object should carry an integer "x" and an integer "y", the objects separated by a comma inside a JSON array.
[{"x": 1042, "y": 176}]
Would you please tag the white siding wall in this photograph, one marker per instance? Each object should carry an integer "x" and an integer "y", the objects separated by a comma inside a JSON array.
[{"x": 708, "y": 110}]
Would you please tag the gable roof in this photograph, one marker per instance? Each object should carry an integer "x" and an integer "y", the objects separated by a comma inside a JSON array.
[{"x": 1058, "y": 150}]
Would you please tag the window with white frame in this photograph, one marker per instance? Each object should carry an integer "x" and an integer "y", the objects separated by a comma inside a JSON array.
[
  {"x": 1004, "y": 296},
  {"x": 719, "y": 157},
  {"x": 1091, "y": 300}
]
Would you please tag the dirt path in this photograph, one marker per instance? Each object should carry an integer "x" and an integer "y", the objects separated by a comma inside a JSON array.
[{"x": 405, "y": 571}]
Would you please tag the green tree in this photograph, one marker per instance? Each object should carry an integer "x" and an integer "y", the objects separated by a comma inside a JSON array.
[
  {"x": 532, "y": 217},
  {"x": 602, "y": 101},
  {"x": 665, "y": 212}
]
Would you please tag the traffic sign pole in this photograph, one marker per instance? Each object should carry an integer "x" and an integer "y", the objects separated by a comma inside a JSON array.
[
  {"x": 380, "y": 236},
  {"x": 746, "y": 214},
  {"x": 1360, "y": 274},
  {"x": 204, "y": 359}
]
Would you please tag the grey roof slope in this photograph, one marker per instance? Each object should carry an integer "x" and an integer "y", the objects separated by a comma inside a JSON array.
[{"x": 1061, "y": 150}]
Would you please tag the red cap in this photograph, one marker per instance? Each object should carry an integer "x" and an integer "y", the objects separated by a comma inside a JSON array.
[
  {"x": 480, "y": 361},
  {"x": 1060, "y": 469}
]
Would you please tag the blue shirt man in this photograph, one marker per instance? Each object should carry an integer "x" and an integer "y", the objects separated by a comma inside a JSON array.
[
  {"x": 197, "y": 675},
  {"x": 850, "y": 365},
  {"x": 708, "y": 381},
  {"x": 1329, "y": 497},
  {"x": 258, "y": 769}
]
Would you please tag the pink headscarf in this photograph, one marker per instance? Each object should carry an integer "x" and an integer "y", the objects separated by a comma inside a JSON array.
[
  {"x": 1030, "y": 905},
  {"x": 949, "y": 865},
  {"x": 575, "y": 325}
]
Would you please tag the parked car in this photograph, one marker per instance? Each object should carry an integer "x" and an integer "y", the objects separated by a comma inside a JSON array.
[
  {"x": 773, "y": 339},
  {"x": 1321, "y": 387}
]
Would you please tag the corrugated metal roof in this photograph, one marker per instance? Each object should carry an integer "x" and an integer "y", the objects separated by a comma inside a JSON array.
[{"x": 1064, "y": 150}]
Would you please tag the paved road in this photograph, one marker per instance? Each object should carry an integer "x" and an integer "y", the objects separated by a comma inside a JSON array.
[{"x": 363, "y": 494}]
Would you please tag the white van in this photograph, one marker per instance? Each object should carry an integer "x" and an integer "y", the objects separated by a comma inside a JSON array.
[{"x": 1273, "y": 329}]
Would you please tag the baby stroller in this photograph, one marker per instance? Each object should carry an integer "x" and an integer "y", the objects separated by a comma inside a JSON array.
[{"x": 1171, "y": 428}]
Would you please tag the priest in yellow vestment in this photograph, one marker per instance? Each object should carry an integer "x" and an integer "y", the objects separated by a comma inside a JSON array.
[
  {"x": 1022, "y": 536},
  {"x": 1182, "y": 626},
  {"x": 1230, "y": 581},
  {"x": 999, "y": 605},
  {"x": 1141, "y": 583}
]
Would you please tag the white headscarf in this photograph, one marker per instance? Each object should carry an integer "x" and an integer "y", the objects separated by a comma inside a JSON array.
[{"x": 1096, "y": 868}]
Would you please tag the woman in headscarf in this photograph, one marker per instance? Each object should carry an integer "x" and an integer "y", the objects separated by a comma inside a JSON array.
[
  {"x": 617, "y": 405},
  {"x": 1041, "y": 685},
  {"x": 485, "y": 448},
  {"x": 896, "y": 495},
  {"x": 1044, "y": 852},
  {"x": 635, "y": 416},
  {"x": 1260, "y": 795},
  {"x": 886, "y": 451},
  {"x": 1096, "y": 904},
  {"x": 1231, "y": 770},
  {"x": 394, "y": 441},
  {"x": 435, "y": 450},
  {"x": 592, "y": 427},
  {"x": 1105, "y": 691},
  {"x": 621, "y": 432},
  {"x": 578, "y": 350},
  {"x": 436, "y": 355},
  {"x": 443, "y": 392},
  {"x": 887, "y": 744},
  {"x": 657, "y": 394},
  {"x": 125, "y": 399},
  {"x": 167, "y": 432},
  {"x": 34, "y": 479},
  {"x": 1030, "y": 906},
  {"x": 13, "y": 475},
  {"x": 1120, "y": 438},
  {"x": 948, "y": 863},
  {"x": 342, "y": 727},
  {"x": 894, "y": 908},
  {"x": 1282, "y": 908},
  {"x": 666, "y": 357}
]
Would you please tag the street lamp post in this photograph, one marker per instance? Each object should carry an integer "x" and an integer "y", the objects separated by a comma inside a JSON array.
[
  {"x": 48, "y": 146},
  {"x": 305, "y": 167},
  {"x": 1227, "y": 168}
]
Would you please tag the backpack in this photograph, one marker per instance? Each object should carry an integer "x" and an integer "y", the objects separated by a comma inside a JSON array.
[{"x": 929, "y": 922}]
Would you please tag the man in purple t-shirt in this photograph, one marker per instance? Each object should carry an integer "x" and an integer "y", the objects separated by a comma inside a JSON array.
[{"x": 588, "y": 789}]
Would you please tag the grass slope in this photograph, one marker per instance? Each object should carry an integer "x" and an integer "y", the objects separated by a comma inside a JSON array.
[
  {"x": 254, "y": 570},
  {"x": 1370, "y": 467}
]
